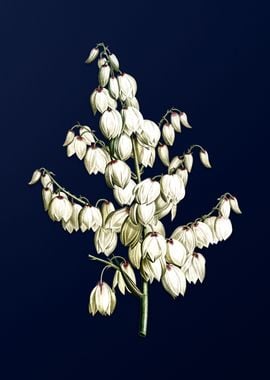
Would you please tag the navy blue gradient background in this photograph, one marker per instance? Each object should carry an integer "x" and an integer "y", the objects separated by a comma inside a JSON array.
[{"x": 208, "y": 58}]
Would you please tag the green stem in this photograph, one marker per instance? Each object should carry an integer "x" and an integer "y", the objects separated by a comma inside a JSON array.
[{"x": 144, "y": 298}]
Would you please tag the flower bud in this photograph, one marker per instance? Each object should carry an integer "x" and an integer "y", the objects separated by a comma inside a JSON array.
[
  {"x": 96, "y": 159},
  {"x": 176, "y": 252},
  {"x": 174, "y": 164},
  {"x": 90, "y": 217},
  {"x": 45, "y": 179},
  {"x": 35, "y": 177},
  {"x": 130, "y": 233},
  {"x": 174, "y": 281},
  {"x": 223, "y": 228},
  {"x": 110, "y": 123},
  {"x": 114, "y": 62},
  {"x": 119, "y": 279},
  {"x": 127, "y": 86},
  {"x": 203, "y": 234},
  {"x": 60, "y": 208},
  {"x": 115, "y": 219},
  {"x": 104, "y": 75},
  {"x": 184, "y": 120},
  {"x": 194, "y": 268},
  {"x": 114, "y": 87},
  {"x": 168, "y": 134},
  {"x": 46, "y": 196},
  {"x": 152, "y": 270},
  {"x": 205, "y": 159},
  {"x": 73, "y": 223},
  {"x": 102, "y": 299},
  {"x": 188, "y": 161},
  {"x": 225, "y": 207},
  {"x": 135, "y": 255},
  {"x": 101, "y": 61},
  {"x": 121, "y": 147},
  {"x": 149, "y": 134},
  {"x": 175, "y": 121},
  {"x": 117, "y": 173},
  {"x": 132, "y": 120},
  {"x": 92, "y": 55},
  {"x": 147, "y": 191},
  {"x": 172, "y": 188},
  {"x": 80, "y": 147},
  {"x": 163, "y": 153},
  {"x": 105, "y": 240},
  {"x": 124, "y": 196},
  {"x": 154, "y": 246},
  {"x": 69, "y": 138},
  {"x": 234, "y": 205},
  {"x": 186, "y": 236}
]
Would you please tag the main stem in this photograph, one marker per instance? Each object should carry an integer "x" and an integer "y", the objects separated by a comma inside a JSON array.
[{"x": 144, "y": 298}]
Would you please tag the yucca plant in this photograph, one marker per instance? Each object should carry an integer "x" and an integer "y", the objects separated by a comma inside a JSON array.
[{"x": 130, "y": 145}]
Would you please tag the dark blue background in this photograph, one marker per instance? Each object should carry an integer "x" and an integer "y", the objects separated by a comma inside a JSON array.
[{"x": 206, "y": 57}]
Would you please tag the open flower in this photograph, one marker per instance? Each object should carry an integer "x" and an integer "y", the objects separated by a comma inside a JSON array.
[
  {"x": 149, "y": 134},
  {"x": 90, "y": 218},
  {"x": 117, "y": 173},
  {"x": 147, "y": 191},
  {"x": 127, "y": 86},
  {"x": 102, "y": 299},
  {"x": 142, "y": 213},
  {"x": 124, "y": 196},
  {"x": 105, "y": 240},
  {"x": 174, "y": 280},
  {"x": 73, "y": 223},
  {"x": 60, "y": 208},
  {"x": 151, "y": 270},
  {"x": 132, "y": 119},
  {"x": 172, "y": 188},
  {"x": 154, "y": 246},
  {"x": 110, "y": 123},
  {"x": 96, "y": 159},
  {"x": 194, "y": 268},
  {"x": 119, "y": 280},
  {"x": 176, "y": 252},
  {"x": 121, "y": 147}
]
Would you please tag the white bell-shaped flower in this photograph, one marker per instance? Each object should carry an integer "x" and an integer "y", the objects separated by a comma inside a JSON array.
[
  {"x": 175, "y": 163},
  {"x": 174, "y": 280},
  {"x": 35, "y": 177},
  {"x": 142, "y": 213},
  {"x": 186, "y": 236},
  {"x": 92, "y": 55},
  {"x": 183, "y": 174},
  {"x": 184, "y": 120},
  {"x": 188, "y": 161},
  {"x": 151, "y": 270},
  {"x": 172, "y": 188},
  {"x": 211, "y": 222},
  {"x": 168, "y": 134},
  {"x": 175, "y": 121},
  {"x": 73, "y": 223},
  {"x": 105, "y": 240},
  {"x": 87, "y": 134},
  {"x": 127, "y": 86},
  {"x": 133, "y": 102},
  {"x": 118, "y": 279},
  {"x": 149, "y": 135},
  {"x": 223, "y": 228},
  {"x": 194, "y": 268},
  {"x": 130, "y": 233},
  {"x": 60, "y": 208},
  {"x": 146, "y": 155},
  {"x": 135, "y": 255},
  {"x": 114, "y": 87},
  {"x": 117, "y": 173},
  {"x": 225, "y": 207},
  {"x": 96, "y": 159},
  {"x": 115, "y": 219},
  {"x": 132, "y": 120},
  {"x": 203, "y": 234},
  {"x": 163, "y": 153},
  {"x": 90, "y": 218},
  {"x": 147, "y": 191},
  {"x": 104, "y": 75},
  {"x": 99, "y": 100},
  {"x": 124, "y": 196},
  {"x": 163, "y": 208},
  {"x": 176, "y": 252},
  {"x": 102, "y": 299},
  {"x": 155, "y": 225},
  {"x": 80, "y": 147},
  {"x": 121, "y": 147},
  {"x": 154, "y": 246},
  {"x": 110, "y": 123},
  {"x": 205, "y": 158}
]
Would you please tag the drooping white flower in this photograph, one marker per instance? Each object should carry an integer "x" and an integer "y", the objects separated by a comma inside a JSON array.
[
  {"x": 163, "y": 208},
  {"x": 174, "y": 280},
  {"x": 205, "y": 158},
  {"x": 151, "y": 270},
  {"x": 114, "y": 87},
  {"x": 155, "y": 225},
  {"x": 105, "y": 240},
  {"x": 45, "y": 179},
  {"x": 188, "y": 161},
  {"x": 184, "y": 120},
  {"x": 146, "y": 155},
  {"x": 106, "y": 208},
  {"x": 46, "y": 197},
  {"x": 69, "y": 138},
  {"x": 102, "y": 299},
  {"x": 163, "y": 153},
  {"x": 203, "y": 234},
  {"x": 110, "y": 123},
  {"x": 118, "y": 279},
  {"x": 172, "y": 188},
  {"x": 183, "y": 174},
  {"x": 35, "y": 177},
  {"x": 96, "y": 159},
  {"x": 117, "y": 173},
  {"x": 149, "y": 134},
  {"x": 225, "y": 207},
  {"x": 176, "y": 252},
  {"x": 80, "y": 147},
  {"x": 60, "y": 208},
  {"x": 168, "y": 133},
  {"x": 127, "y": 86},
  {"x": 130, "y": 233},
  {"x": 154, "y": 246},
  {"x": 234, "y": 205},
  {"x": 87, "y": 134},
  {"x": 104, "y": 75},
  {"x": 132, "y": 119},
  {"x": 223, "y": 228},
  {"x": 124, "y": 196},
  {"x": 174, "y": 164},
  {"x": 73, "y": 223},
  {"x": 147, "y": 191},
  {"x": 99, "y": 100},
  {"x": 115, "y": 219},
  {"x": 194, "y": 268},
  {"x": 92, "y": 55},
  {"x": 142, "y": 213},
  {"x": 135, "y": 255},
  {"x": 90, "y": 218},
  {"x": 114, "y": 61},
  {"x": 121, "y": 147},
  {"x": 133, "y": 102},
  {"x": 175, "y": 121},
  {"x": 211, "y": 222},
  {"x": 186, "y": 236}
]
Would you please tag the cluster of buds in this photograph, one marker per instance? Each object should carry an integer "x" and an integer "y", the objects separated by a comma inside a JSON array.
[{"x": 174, "y": 260}]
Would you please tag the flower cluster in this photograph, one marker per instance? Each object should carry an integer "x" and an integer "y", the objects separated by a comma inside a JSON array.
[{"x": 142, "y": 203}]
